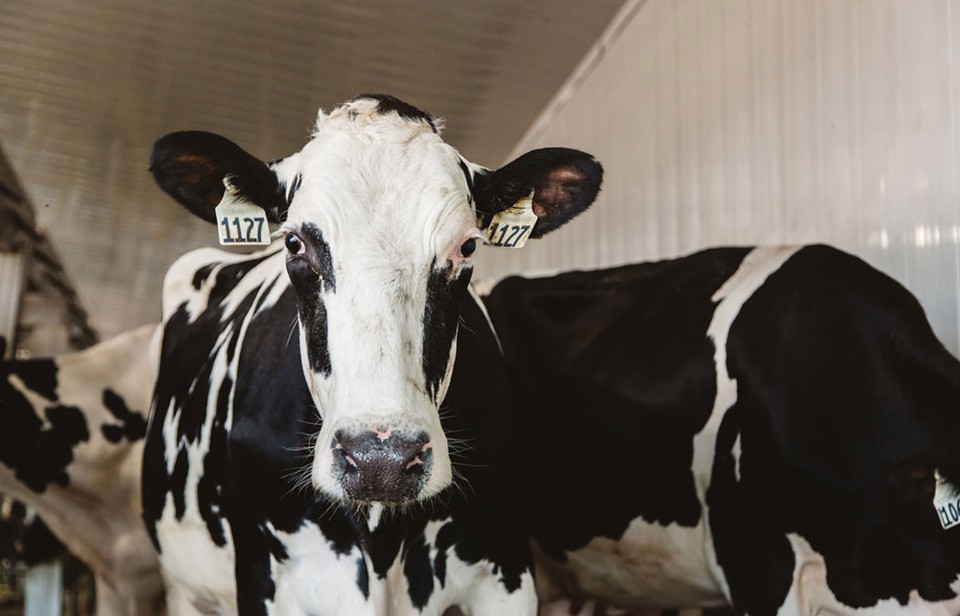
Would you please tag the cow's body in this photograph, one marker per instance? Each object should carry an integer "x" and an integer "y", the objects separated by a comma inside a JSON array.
[
  {"x": 762, "y": 427},
  {"x": 71, "y": 447},
  {"x": 229, "y": 489}
]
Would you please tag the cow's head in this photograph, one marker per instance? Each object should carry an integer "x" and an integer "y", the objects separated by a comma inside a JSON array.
[{"x": 380, "y": 220}]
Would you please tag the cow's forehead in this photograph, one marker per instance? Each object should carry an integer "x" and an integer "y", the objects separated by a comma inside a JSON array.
[{"x": 367, "y": 170}]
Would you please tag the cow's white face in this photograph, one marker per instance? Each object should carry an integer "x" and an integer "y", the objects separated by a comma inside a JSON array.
[
  {"x": 374, "y": 236},
  {"x": 380, "y": 220}
]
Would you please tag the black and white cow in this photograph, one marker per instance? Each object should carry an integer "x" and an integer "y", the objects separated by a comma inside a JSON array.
[
  {"x": 70, "y": 447},
  {"x": 309, "y": 451},
  {"x": 763, "y": 427}
]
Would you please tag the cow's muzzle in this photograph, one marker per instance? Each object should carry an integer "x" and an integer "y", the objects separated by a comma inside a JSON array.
[{"x": 386, "y": 466}]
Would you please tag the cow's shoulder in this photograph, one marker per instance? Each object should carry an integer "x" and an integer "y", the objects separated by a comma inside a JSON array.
[{"x": 205, "y": 277}]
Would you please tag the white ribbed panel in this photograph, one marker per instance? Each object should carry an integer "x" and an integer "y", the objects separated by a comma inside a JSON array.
[
  {"x": 11, "y": 283},
  {"x": 768, "y": 121}
]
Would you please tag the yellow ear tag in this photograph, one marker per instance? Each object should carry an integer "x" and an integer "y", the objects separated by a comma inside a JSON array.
[
  {"x": 512, "y": 227},
  {"x": 239, "y": 222}
]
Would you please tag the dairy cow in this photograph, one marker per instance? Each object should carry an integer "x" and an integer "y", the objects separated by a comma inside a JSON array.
[
  {"x": 331, "y": 427},
  {"x": 70, "y": 447},
  {"x": 772, "y": 428}
]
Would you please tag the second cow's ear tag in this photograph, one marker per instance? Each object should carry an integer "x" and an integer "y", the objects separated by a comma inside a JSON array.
[
  {"x": 239, "y": 222},
  {"x": 946, "y": 500},
  {"x": 512, "y": 227}
]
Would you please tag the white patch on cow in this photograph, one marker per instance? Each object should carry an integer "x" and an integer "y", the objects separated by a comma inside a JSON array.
[
  {"x": 314, "y": 579},
  {"x": 736, "y": 457},
  {"x": 756, "y": 267},
  {"x": 478, "y": 298},
  {"x": 195, "y": 569},
  {"x": 810, "y": 594},
  {"x": 392, "y": 204},
  {"x": 373, "y": 516},
  {"x": 669, "y": 560}
]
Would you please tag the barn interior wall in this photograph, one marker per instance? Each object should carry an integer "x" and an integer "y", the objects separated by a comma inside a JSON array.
[{"x": 768, "y": 122}]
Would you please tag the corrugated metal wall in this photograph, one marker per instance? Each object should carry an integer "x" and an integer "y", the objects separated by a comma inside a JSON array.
[{"x": 769, "y": 121}]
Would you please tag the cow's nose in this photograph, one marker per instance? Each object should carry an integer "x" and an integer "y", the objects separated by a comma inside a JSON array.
[{"x": 384, "y": 466}]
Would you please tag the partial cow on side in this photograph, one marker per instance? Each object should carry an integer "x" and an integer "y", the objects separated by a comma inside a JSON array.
[
  {"x": 70, "y": 447},
  {"x": 765, "y": 427},
  {"x": 332, "y": 424}
]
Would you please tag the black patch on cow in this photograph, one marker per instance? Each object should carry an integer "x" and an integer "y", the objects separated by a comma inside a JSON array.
[
  {"x": 417, "y": 570},
  {"x": 630, "y": 342},
  {"x": 389, "y": 104},
  {"x": 294, "y": 188},
  {"x": 37, "y": 454},
  {"x": 178, "y": 479},
  {"x": 444, "y": 542},
  {"x": 201, "y": 275},
  {"x": 841, "y": 386},
  {"x": 755, "y": 555},
  {"x": 363, "y": 578},
  {"x": 312, "y": 275},
  {"x": 468, "y": 176},
  {"x": 254, "y": 585},
  {"x": 211, "y": 484},
  {"x": 38, "y": 375},
  {"x": 277, "y": 549},
  {"x": 133, "y": 427},
  {"x": 440, "y": 319}
]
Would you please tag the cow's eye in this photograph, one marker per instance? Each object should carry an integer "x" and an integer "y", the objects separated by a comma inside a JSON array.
[
  {"x": 468, "y": 247},
  {"x": 294, "y": 244}
]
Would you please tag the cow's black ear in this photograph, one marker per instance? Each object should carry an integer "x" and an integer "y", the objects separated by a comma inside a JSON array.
[
  {"x": 564, "y": 182},
  {"x": 190, "y": 166}
]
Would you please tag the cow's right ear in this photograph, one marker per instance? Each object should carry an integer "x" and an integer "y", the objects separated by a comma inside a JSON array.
[{"x": 190, "y": 166}]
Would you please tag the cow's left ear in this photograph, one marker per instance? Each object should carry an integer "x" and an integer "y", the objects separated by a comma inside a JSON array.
[
  {"x": 190, "y": 166},
  {"x": 564, "y": 183}
]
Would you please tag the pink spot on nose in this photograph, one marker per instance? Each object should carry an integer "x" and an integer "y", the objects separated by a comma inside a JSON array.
[
  {"x": 351, "y": 461},
  {"x": 414, "y": 462},
  {"x": 383, "y": 435},
  {"x": 426, "y": 447}
]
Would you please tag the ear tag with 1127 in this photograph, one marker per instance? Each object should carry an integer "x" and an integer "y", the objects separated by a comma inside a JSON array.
[
  {"x": 239, "y": 222},
  {"x": 512, "y": 227}
]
